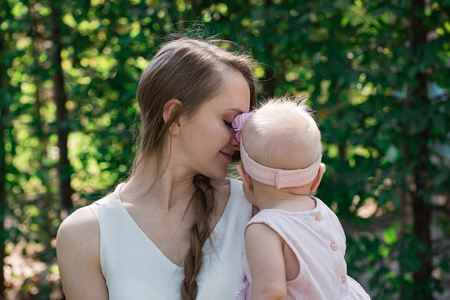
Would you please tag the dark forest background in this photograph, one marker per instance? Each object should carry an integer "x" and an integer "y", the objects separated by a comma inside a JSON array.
[{"x": 376, "y": 72}]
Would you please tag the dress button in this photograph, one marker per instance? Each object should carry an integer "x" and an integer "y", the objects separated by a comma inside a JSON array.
[
  {"x": 318, "y": 217},
  {"x": 343, "y": 278},
  {"x": 334, "y": 246}
]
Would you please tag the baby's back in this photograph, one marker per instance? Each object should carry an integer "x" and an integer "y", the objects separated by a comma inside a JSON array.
[{"x": 317, "y": 240}]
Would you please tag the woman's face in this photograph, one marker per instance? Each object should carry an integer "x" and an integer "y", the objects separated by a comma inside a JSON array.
[{"x": 206, "y": 140}]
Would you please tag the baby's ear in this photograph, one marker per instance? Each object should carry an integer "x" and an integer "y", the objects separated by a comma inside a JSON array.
[
  {"x": 246, "y": 179},
  {"x": 318, "y": 178}
]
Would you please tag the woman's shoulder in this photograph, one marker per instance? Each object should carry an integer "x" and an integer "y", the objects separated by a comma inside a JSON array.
[
  {"x": 80, "y": 226},
  {"x": 78, "y": 254},
  {"x": 81, "y": 218}
]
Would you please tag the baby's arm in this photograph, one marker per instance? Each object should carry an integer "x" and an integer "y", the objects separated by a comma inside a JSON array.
[{"x": 264, "y": 249}]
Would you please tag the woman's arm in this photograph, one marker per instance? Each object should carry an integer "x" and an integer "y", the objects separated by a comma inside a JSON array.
[
  {"x": 264, "y": 249},
  {"x": 78, "y": 252}
]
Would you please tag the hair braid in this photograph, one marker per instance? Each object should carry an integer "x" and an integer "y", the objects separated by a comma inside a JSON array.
[{"x": 200, "y": 231}]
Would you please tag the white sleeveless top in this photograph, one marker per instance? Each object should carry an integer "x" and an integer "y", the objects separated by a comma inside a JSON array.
[{"x": 135, "y": 268}]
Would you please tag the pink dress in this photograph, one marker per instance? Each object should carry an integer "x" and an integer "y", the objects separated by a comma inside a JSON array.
[{"x": 318, "y": 241}]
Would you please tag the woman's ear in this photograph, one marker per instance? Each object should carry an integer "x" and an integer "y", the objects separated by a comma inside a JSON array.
[
  {"x": 170, "y": 109},
  {"x": 318, "y": 178}
]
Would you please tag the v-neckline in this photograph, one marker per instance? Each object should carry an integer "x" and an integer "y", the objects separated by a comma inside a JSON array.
[{"x": 216, "y": 230}]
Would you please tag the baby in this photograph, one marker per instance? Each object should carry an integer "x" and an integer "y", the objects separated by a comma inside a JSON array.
[{"x": 295, "y": 245}]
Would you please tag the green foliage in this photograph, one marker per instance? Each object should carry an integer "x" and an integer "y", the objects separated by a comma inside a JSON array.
[{"x": 384, "y": 142}]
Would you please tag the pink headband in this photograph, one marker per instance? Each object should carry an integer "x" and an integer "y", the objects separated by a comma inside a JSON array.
[{"x": 270, "y": 176}]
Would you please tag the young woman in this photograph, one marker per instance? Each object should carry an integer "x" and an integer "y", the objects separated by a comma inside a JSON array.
[{"x": 174, "y": 229}]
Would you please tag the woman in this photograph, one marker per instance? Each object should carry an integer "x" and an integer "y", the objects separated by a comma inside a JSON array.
[{"x": 174, "y": 230}]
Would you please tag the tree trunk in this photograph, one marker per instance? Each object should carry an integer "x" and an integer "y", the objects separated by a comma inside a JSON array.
[
  {"x": 65, "y": 191},
  {"x": 421, "y": 206},
  {"x": 269, "y": 80},
  {"x": 38, "y": 122}
]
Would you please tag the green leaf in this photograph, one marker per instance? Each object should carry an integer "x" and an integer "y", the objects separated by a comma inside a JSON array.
[{"x": 440, "y": 123}]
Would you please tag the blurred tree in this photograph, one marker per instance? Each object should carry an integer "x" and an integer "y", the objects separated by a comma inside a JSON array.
[
  {"x": 60, "y": 96},
  {"x": 421, "y": 170},
  {"x": 5, "y": 127},
  {"x": 3, "y": 118}
]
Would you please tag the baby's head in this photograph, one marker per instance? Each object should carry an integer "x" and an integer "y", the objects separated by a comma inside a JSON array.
[{"x": 283, "y": 135}]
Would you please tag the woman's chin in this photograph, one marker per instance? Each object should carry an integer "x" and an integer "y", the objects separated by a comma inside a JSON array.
[{"x": 218, "y": 175}]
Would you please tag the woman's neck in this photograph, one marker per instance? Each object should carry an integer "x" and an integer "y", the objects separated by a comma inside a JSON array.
[{"x": 172, "y": 188}]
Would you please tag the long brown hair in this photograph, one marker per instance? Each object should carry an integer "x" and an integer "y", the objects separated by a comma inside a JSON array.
[{"x": 188, "y": 70}]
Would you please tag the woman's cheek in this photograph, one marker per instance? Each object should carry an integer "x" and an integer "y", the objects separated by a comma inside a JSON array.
[{"x": 225, "y": 132}]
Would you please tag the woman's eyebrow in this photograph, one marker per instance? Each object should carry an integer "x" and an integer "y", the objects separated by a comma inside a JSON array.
[{"x": 238, "y": 110}]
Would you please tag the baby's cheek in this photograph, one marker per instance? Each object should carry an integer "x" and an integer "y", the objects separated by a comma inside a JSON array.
[{"x": 249, "y": 195}]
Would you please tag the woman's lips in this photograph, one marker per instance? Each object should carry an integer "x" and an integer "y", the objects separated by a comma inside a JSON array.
[{"x": 227, "y": 156}]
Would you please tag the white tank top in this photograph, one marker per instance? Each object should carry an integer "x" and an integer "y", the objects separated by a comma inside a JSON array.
[{"x": 135, "y": 268}]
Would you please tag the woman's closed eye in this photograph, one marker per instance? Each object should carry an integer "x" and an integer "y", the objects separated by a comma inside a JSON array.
[{"x": 228, "y": 124}]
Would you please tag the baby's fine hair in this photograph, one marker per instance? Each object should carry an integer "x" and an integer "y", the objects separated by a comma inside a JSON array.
[{"x": 283, "y": 134}]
